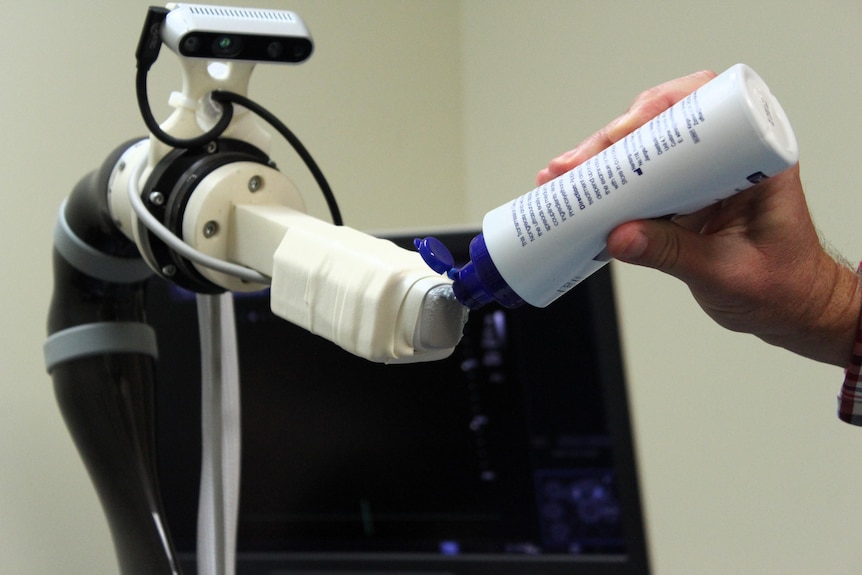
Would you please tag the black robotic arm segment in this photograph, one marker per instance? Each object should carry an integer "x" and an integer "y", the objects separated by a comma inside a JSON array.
[{"x": 101, "y": 354}]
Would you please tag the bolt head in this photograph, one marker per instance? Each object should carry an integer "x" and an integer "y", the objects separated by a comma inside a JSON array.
[
  {"x": 255, "y": 183},
  {"x": 210, "y": 229},
  {"x": 157, "y": 198}
]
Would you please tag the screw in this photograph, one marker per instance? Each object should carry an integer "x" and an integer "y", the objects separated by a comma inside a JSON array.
[
  {"x": 255, "y": 183},
  {"x": 122, "y": 166},
  {"x": 210, "y": 229},
  {"x": 212, "y": 147},
  {"x": 157, "y": 198},
  {"x": 169, "y": 270}
]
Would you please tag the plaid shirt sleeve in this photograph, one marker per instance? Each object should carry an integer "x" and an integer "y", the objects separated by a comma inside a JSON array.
[{"x": 850, "y": 398}]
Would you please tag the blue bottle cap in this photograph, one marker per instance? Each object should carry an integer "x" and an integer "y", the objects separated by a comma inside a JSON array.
[
  {"x": 436, "y": 254},
  {"x": 475, "y": 284}
]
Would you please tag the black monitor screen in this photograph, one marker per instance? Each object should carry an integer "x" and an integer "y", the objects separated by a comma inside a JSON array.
[{"x": 512, "y": 456}]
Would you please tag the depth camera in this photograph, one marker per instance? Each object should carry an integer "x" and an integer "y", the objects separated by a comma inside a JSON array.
[{"x": 249, "y": 34}]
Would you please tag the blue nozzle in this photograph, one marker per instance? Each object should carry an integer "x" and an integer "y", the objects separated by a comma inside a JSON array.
[{"x": 475, "y": 284}]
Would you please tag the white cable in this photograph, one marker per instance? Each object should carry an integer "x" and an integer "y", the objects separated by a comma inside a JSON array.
[
  {"x": 218, "y": 507},
  {"x": 177, "y": 244}
]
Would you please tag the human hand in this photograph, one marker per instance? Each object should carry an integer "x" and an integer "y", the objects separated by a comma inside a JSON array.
[{"x": 754, "y": 262}]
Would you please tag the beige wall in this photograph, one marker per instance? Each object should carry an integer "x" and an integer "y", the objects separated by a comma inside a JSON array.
[{"x": 745, "y": 469}]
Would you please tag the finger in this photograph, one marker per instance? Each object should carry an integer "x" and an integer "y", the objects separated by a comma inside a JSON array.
[
  {"x": 650, "y": 103},
  {"x": 644, "y": 108}
]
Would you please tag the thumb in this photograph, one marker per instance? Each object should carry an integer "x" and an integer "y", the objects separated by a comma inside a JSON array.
[{"x": 658, "y": 244}]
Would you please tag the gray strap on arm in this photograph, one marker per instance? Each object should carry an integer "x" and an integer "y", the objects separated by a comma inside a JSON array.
[
  {"x": 99, "y": 339},
  {"x": 91, "y": 261}
]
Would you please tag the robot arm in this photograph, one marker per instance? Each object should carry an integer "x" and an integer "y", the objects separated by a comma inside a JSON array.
[
  {"x": 371, "y": 297},
  {"x": 199, "y": 203}
]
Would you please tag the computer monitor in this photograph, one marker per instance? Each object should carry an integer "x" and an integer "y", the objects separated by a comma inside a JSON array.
[{"x": 513, "y": 456}]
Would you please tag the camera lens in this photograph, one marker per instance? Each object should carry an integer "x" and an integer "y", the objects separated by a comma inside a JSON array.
[
  {"x": 226, "y": 46},
  {"x": 191, "y": 44},
  {"x": 274, "y": 50},
  {"x": 300, "y": 51}
]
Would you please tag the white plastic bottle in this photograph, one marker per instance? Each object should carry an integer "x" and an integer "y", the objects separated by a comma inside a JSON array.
[{"x": 725, "y": 137}]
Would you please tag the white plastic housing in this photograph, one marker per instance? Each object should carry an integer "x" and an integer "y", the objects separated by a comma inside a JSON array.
[
  {"x": 208, "y": 224},
  {"x": 367, "y": 295}
]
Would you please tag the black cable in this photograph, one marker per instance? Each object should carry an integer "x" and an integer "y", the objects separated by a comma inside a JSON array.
[
  {"x": 229, "y": 98},
  {"x": 156, "y": 130},
  {"x": 149, "y": 46}
]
